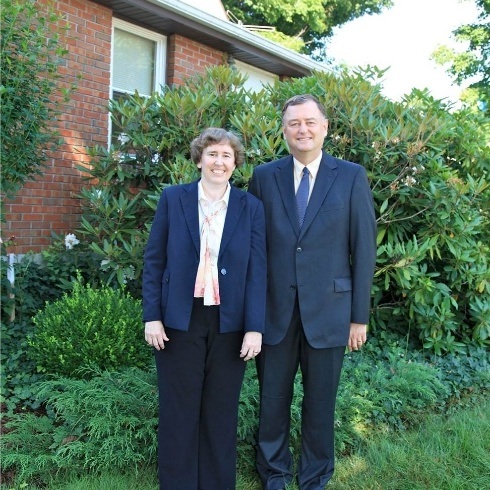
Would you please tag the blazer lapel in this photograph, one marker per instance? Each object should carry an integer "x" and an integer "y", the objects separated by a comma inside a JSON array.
[
  {"x": 327, "y": 173},
  {"x": 285, "y": 182},
  {"x": 189, "y": 201},
  {"x": 236, "y": 204}
]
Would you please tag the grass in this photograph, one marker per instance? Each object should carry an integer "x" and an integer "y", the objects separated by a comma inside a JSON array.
[{"x": 443, "y": 454}]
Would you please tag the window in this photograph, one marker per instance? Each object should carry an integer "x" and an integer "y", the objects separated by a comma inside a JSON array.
[{"x": 138, "y": 63}]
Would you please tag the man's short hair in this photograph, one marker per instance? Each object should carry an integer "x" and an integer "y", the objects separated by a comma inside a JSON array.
[{"x": 302, "y": 99}]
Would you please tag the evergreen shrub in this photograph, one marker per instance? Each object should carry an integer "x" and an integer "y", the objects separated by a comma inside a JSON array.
[
  {"x": 98, "y": 328},
  {"x": 428, "y": 167},
  {"x": 106, "y": 421}
]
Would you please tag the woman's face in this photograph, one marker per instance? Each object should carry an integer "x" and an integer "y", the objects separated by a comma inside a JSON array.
[{"x": 217, "y": 164}]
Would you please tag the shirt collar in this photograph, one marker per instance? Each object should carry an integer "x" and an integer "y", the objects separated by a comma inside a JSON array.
[
  {"x": 201, "y": 195},
  {"x": 312, "y": 166}
]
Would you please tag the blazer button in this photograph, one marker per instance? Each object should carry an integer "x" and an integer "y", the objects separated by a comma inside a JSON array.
[
  {"x": 292, "y": 287},
  {"x": 223, "y": 271},
  {"x": 299, "y": 250}
]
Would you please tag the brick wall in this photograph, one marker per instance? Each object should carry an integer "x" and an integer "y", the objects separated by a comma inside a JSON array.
[
  {"x": 49, "y": 203},
  {"x": 187, "y": 58}
]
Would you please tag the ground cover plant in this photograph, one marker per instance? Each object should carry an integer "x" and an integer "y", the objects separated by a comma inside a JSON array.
[{"x": 107, "y": 422}]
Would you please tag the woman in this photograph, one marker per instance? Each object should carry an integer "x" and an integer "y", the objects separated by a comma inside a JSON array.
[{"x": 204, "y": 288}]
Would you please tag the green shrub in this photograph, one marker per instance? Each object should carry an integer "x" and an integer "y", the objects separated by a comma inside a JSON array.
[
  {"x": 105, "y": 422},
  {"x": 32, "y": 50},
  {"x": 89, "y": 327},
  {"x": 428, "y": 166},
  {"x": 17, "y": 370},
  {"x": 44, "y": 277},
  {"x": 26, "y": 448}
]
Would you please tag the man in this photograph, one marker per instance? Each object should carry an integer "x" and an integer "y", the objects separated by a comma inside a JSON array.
[{"x": 320, "y": 272}]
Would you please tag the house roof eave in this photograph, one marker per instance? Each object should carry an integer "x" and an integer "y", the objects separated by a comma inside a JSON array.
[{"x": 173, "y": 16}]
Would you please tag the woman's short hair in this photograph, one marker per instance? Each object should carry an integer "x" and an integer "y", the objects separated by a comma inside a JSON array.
[{"x": 213, "y": 136}]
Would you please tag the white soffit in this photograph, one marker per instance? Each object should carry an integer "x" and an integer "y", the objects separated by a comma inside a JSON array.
[
  {"x": 212, "y": 7},
  {"x": 241, "y": 34}
]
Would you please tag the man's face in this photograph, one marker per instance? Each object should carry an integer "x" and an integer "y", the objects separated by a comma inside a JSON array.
[{"x": 305, "y": 129}]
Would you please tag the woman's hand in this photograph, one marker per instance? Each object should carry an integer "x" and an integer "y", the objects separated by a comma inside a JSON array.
[
  {"x": 155, "y": 334},
  {"x": 251, "y": 345}
]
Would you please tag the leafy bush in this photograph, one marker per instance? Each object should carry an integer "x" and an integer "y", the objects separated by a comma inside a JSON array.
[
  {"x": 32, "y": 51},
  {"x": 45, "y": 276},
  {"x": 89, "y": 327},
  {"x": 428, "y": 166}
]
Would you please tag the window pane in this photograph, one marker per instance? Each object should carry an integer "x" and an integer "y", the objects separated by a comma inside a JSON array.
[{"x": 134, "y": 63}]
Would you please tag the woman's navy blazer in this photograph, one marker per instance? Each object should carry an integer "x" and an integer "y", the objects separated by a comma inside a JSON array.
[{"x": 172, "y": 258}]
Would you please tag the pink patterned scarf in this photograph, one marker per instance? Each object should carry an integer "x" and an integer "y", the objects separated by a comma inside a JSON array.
[{"x": 207, "y": 285}]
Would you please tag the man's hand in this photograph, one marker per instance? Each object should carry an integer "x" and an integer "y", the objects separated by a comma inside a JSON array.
[{"x": 357, "y": 336}]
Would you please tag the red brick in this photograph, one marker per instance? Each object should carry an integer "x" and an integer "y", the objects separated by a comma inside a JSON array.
[{"x": 51, "y": 202}]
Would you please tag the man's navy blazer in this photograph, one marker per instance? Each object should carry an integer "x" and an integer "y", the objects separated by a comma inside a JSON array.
[
  {"x": 330, "y": 262},
  {"x": 172, "y": 259}
]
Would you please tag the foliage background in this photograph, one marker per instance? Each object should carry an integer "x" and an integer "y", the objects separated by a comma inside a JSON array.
[
  {"x": 108, "y": 419},
  {"x": 429, "y": 170},
  {"x": 30, "y": 89},
  {"x": 428, "y": 167}
]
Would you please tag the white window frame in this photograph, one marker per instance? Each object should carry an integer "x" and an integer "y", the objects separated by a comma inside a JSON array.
[{"x": 160, "y": 58}]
